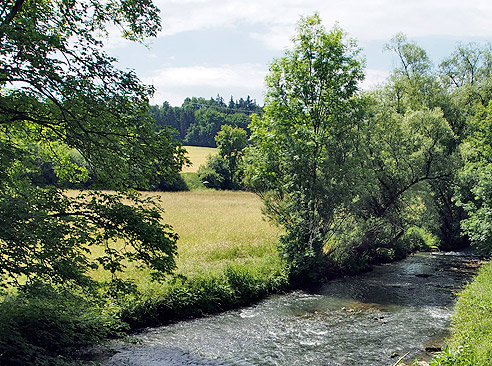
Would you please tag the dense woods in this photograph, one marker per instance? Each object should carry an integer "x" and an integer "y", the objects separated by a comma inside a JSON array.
[
  {"x": 198, "y": 120},
  {"x": 361, "y": 177}
]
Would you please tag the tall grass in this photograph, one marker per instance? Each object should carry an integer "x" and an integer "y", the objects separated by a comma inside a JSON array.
[
  {"x": 198, "y": 156},
  {"x": 216, "y": 229},
  {"x": 471, "y": 341},
  {"x": 226, "y": 257},
  {"x": 219, "y": 228}
]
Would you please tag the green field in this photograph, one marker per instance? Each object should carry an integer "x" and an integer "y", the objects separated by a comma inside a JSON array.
[
  {"x": 227, "y": 257},
  {"x": 216, "y": 229},
  {"x": 198, "y": 156}
]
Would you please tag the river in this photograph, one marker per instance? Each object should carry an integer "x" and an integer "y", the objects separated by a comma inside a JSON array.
[{"x": 369, "y": 320}]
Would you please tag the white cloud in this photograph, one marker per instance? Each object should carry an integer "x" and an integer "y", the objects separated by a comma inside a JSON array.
[
  {"x": 271, "y": 25},
  {"x": 174, "y": 84},
  {"x": 374, "y": 78},
  {"x": 364, "y": 20}
]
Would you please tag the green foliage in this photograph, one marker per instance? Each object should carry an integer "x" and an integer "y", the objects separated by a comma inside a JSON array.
[
  {"x": 223, "y": 171},
  {"x": 205, "y": 294},
  {"x": 400, "y": 155},
  {"x": 198, "y": 120},
  {"x": 468, "y": 73},
  {"x": 299, "y": 163},
  {"x": 42, "y": 325},
  {"x": 418, "y": 238},
  {"x": 70, "y": 93},
  {"x": 416, "y": 86},
  {"x": 471, "y": 340},
  {"x": 207, "y": 124},
  {"x": 48, "y": 236},
  {"x": 215, "y": 173},
  {"x": 63, "y": 102},
  {"x": 475, "y": 192},
  {"x": 192, "y": 181}
]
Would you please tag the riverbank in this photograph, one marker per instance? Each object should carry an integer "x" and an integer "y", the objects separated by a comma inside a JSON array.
[
  {"x": 227, "y": 259},
  {"x": 356, "y": 320},
  {"x": 471, "y": 339}
]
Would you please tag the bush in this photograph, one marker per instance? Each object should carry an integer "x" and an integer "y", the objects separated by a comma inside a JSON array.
[
  {"x": 417, "y": 238},
  {"x": 198, "y": 296},
  {"x": 214, "y": 173},
  {"x": 176, "y": 185},
  {"x": 44, "y": 326}
]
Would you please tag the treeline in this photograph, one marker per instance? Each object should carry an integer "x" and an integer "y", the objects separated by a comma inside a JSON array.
[
  {"x": 198, "y": 120},
  {"x": 356, "y": 177},
  {"x": 195, "y": 123}
]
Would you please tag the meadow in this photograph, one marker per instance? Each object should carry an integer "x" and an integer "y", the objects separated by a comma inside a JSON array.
[
  {"x": 198, "y": 156},
  {"x": 217, "y": 229},
  {"x": 227, "y": 257}
]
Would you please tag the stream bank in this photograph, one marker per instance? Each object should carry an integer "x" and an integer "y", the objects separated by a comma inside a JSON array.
[{"x": 360, "y": 320}]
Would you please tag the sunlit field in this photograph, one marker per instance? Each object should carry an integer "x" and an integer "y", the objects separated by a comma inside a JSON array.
[
  {"x": 216, "y": 229},
  {"x": 198, "y": 156}
]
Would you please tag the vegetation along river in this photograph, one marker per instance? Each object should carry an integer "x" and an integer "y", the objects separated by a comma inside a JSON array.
[{"x": 362, "y": 320}]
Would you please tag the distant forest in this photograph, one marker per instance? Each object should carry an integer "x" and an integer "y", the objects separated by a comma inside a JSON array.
[{"x": 198, "y": 120}]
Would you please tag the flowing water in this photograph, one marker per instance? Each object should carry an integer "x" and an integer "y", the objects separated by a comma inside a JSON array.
[{"x": 367, "y": 320}]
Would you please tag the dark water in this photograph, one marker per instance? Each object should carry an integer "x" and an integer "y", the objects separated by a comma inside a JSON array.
[{"x": 363, "y": 320}]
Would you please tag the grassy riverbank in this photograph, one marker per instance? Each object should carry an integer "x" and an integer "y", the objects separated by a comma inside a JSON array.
[
  {"x": 471, "y": 340},
  {"x": 226, "y": 257}
]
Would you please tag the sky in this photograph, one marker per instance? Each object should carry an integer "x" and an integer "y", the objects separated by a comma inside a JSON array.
[{"x": 211, "y": 47}]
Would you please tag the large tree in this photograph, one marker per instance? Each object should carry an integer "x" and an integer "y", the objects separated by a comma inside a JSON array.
[
  {"x": 60, "y": 91},
  {"x": 299, "y": 162}
]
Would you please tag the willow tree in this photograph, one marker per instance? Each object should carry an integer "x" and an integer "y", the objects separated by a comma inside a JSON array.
[
  {"x": 299, "y": 162},
  {"x": 59, "y": 93}
]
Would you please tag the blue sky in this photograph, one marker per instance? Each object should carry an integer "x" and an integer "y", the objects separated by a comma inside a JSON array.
[{"x": 210, "y": 47}]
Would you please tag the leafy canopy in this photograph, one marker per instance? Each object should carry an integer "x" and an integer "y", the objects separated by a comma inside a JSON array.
[
  {"x": 298, "y": 163},
  {"x": 60, "y": 92}
]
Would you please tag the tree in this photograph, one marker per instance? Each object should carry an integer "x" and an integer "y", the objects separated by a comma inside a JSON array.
[
  {"x": 59, "y": 91},
  {"x": 475, "y": 189},
  {"x": 222, "y": 170},
  {"x": 207, "y": 124},
  {"x": 468, "y": 73},
  {"x": 398, "y": 157},
  {"x": 416, "y": 86},
  {"x": 298, "y": 162},
  {"x": 231, "y": 142}
]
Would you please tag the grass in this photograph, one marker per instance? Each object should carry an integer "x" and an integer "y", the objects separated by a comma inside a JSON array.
[
  {"x": 192, "y": 181},
  {"x": 227, "y": 257},
  {"x": 471, "y": 341},
  {"x": 198, "y": 156},
  {"x": 217, "y": 229}
]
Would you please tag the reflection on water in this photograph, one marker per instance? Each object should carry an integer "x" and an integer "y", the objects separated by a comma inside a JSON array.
[{"x": 362, "y": 320}]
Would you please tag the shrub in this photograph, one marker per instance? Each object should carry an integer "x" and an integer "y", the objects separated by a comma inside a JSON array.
[
  {"x": 198, "y": 296},
  {"x": 214, "y": 173},
  {"x": 44, "y": 326}
]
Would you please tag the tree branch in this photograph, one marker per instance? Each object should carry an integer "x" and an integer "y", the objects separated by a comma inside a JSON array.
[{"x": 10, "y": 16}]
